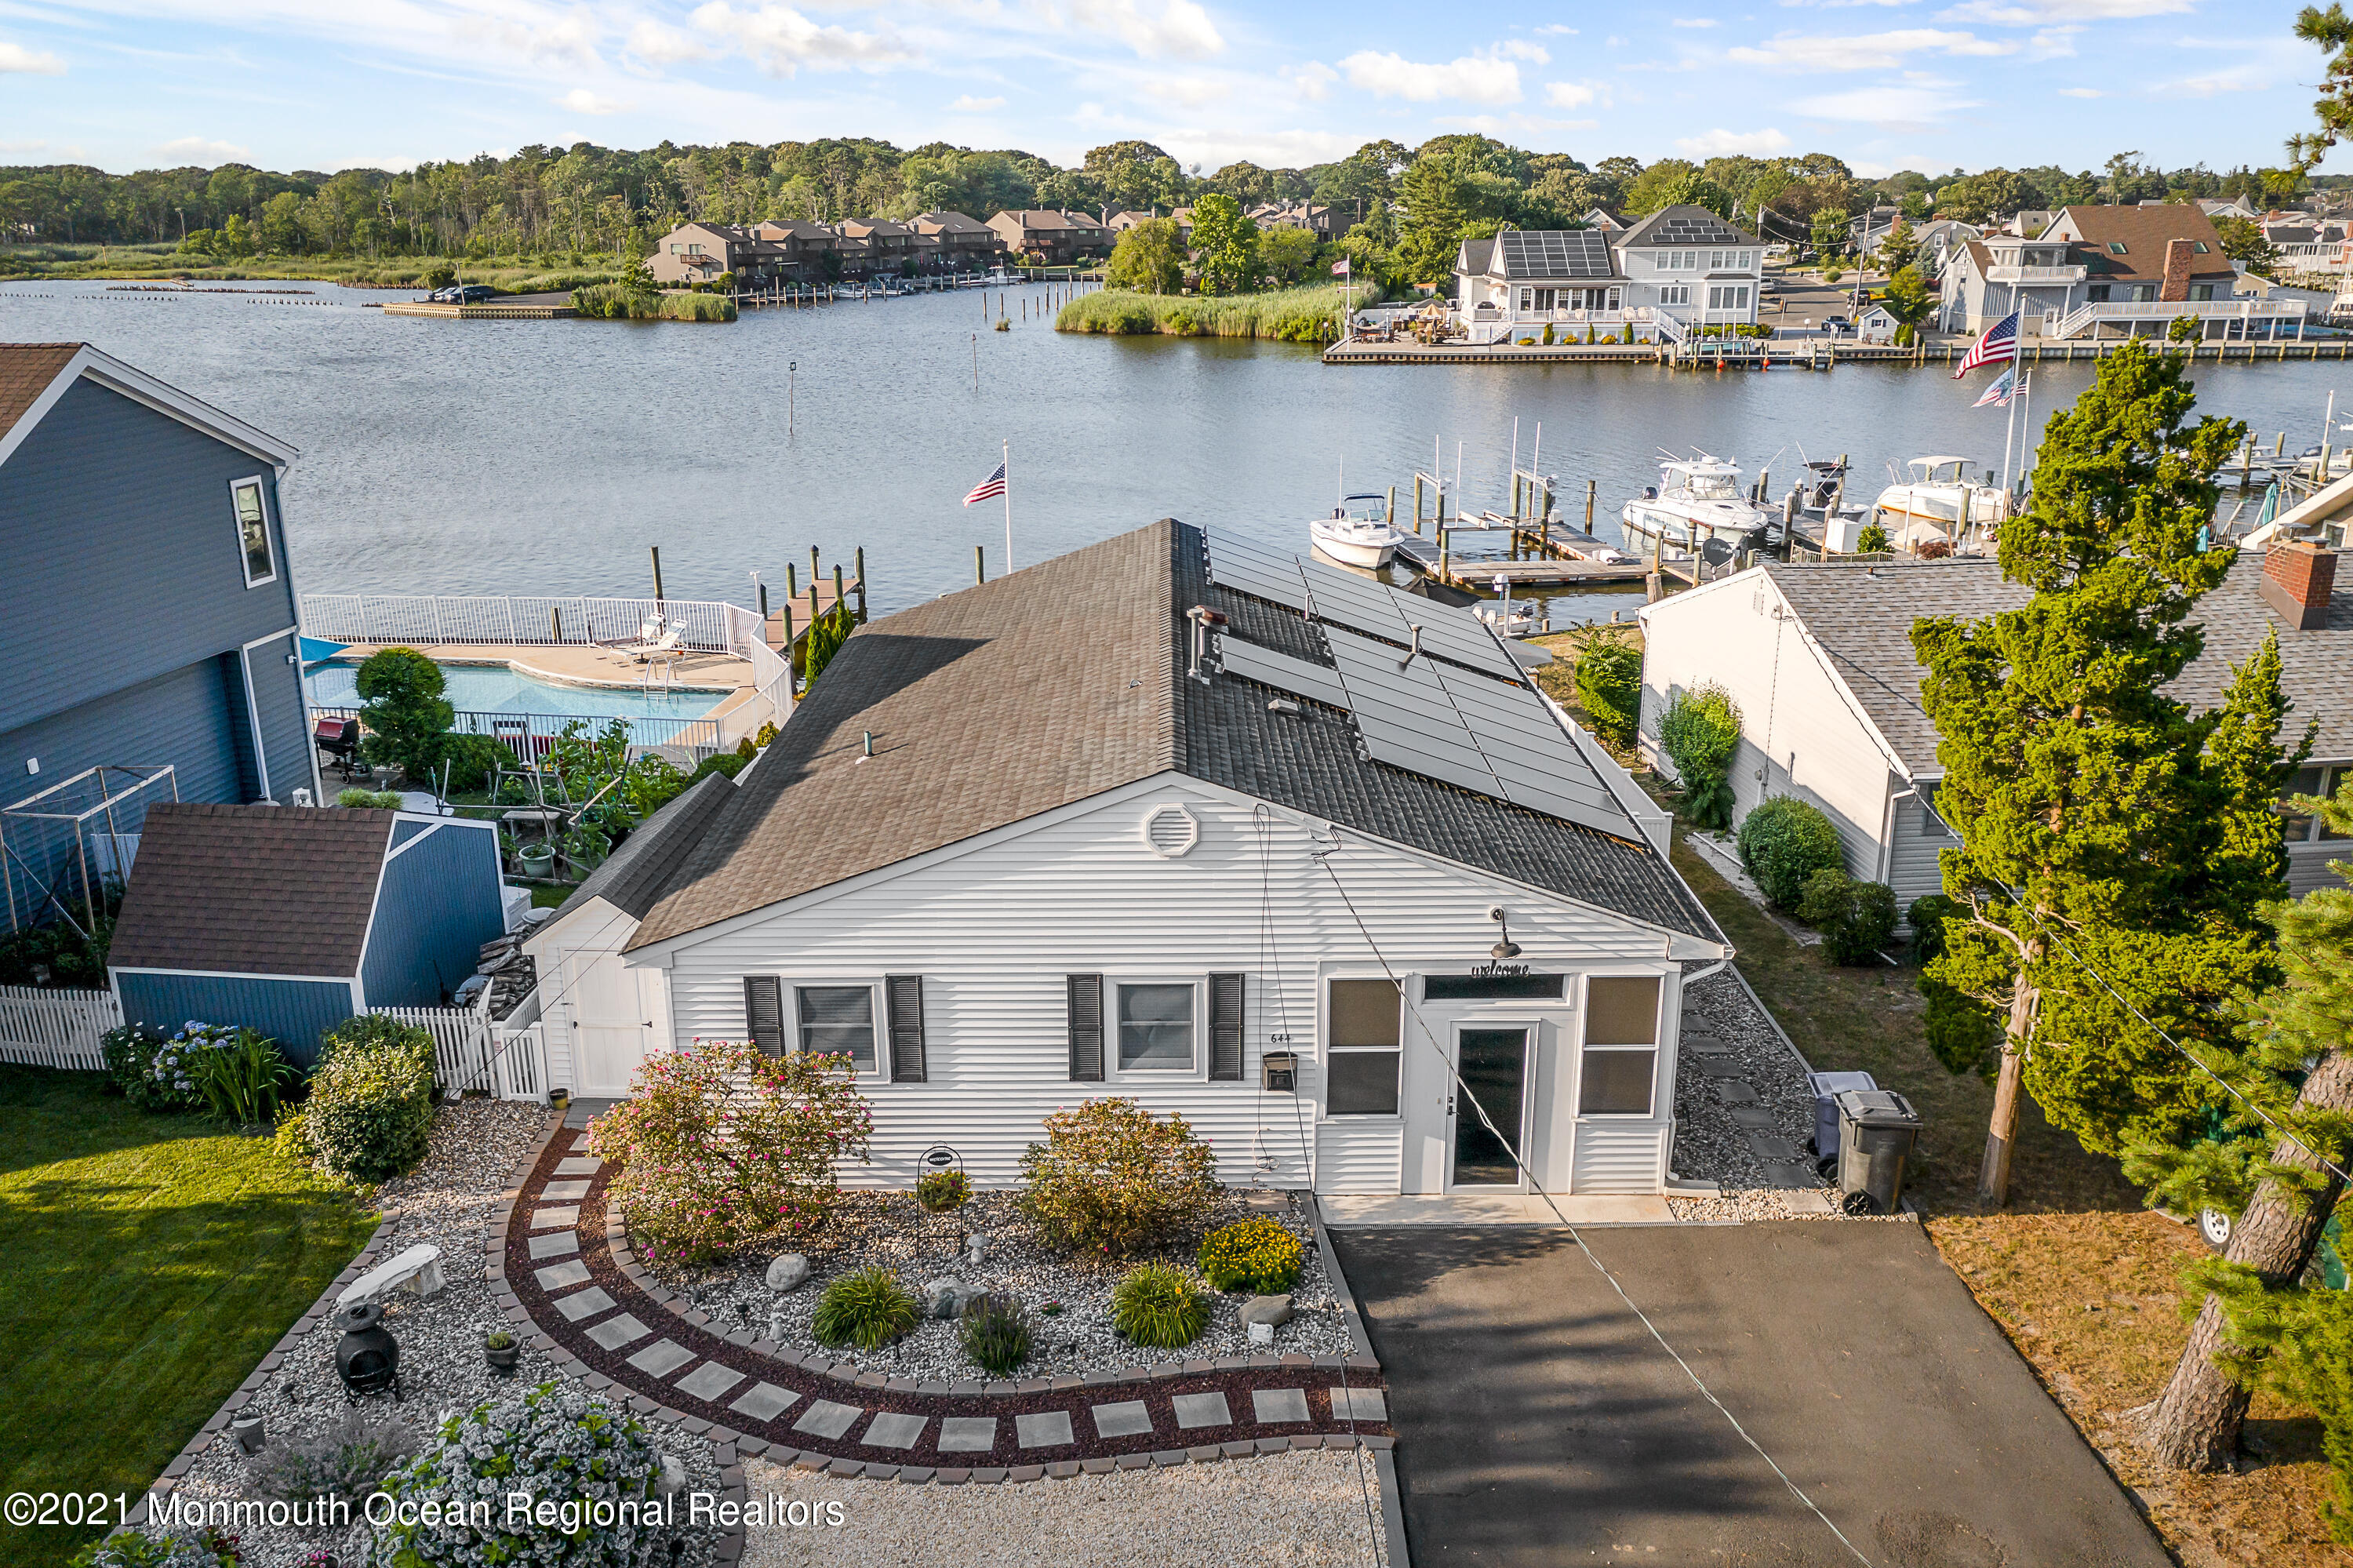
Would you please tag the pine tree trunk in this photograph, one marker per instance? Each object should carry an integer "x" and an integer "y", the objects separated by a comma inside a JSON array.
[
  {"x": 2196, "y": 1424},
  {"x": 1993, "y": 1173}
]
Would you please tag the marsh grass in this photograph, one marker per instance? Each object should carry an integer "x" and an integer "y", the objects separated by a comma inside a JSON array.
[{"x": 1290, "y": 315}]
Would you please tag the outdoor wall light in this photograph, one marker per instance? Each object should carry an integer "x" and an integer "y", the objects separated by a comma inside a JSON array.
[{"x": 1507, "y": 948}]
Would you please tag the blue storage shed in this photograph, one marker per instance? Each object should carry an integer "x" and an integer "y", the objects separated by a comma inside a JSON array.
[{"x": 291, "y": 920}]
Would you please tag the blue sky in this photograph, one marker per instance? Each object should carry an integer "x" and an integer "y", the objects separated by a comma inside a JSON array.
[{"x": 1884, "y": 84}]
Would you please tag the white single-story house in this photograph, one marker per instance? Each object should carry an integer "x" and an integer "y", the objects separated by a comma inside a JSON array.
[
  {"x": 1819, "y": 658},
  {"x": 1137, "y": 821},
  {"x": 1679, "y": 268}
]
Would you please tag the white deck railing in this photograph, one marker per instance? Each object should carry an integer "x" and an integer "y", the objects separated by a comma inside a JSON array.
[
  {"x": 56, "y": 1028},
  {"x": 707, "y": 625}
]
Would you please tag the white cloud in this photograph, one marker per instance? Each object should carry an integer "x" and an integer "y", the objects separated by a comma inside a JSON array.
[
  {"x": 1189, "y": 91},
  {"x": 1914, "y": 107},
  {"x": 1490, "y": 76},
  {"x": 968, "y": 104},
  {"x": 1554, "y": 29},
  {"x": 1730, "y": 144},
  {"x": 2080, "y": 92},
  {"x": 2053, "y": 43},
  {"x": 17, "y": 57},
  {"x": 1570, "y": 94},
  {"x": 2042, "y": 13},
  {"x": 1180, "y": 29},
  {"x": 580, "y": 100},
  {"x": 1693, "y": 22},
  {"x": 782, "y": 40},
  {"x": 1866, "y": 51},
  {"x": 661, "y": 44},
  {"x": 568, "y": 39},
  {"x": 1312, "y": 80},
  {"x": 196, "y": 150},
  {"x": 24, "y": 146}
]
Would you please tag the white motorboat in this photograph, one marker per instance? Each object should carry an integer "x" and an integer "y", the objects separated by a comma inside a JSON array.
[
  {"x": 1509, "y": 619},
  {"x": 1698, "y": 502},
  {"x": 1940, "y": 502},
  {"x": 1358, "y": 533}
]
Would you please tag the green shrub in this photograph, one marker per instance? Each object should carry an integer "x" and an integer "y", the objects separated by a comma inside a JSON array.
[
  {"x": 1783, "y": 844},
  {"x": 358, "y": 799},
  {"x": 130, "y": 1549},
  {"x": 1700, "y": 733},
  {"x": 939, "y": 1190},
  {"x": 1962, "y": 1035},
  {"x": 1112, "y": 1179},
  {"x": 996, "y": 1333},
  {"x": 58, "y": 955},
  {"x": 468, "y": 759},
  {"x": 404, "y": 710},
  {"x": 1258, "y": 1255},
  {"x": 868, "y": 1309},
  {"x": 1155, "y": 1304},
  {"x": 1873, "y": 541},
  {"x": 1610, "y": 688},
  {"x": 1856, "y": 918},
  {"x": 1927, "y": 917},
  {"x": 240, "y": 1076},
  {"x": 726, "y": 764},
  {"x": 565, "y": 1447},
  {"x": 349, "y": 1459},
  {"x": 370, "y": 1114},
  {"x": 130, "y": 1061}
]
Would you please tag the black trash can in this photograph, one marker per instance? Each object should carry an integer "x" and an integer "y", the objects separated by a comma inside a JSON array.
[{"x": 1877, "y": 1128}]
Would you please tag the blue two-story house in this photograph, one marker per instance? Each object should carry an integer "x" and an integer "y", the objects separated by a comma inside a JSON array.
[{"x": 149, "y": 616}]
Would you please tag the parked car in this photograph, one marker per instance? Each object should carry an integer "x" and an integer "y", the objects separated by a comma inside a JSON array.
[
  {"x": 1837, "y": 325},
  {"x": 462, "y": 294}
]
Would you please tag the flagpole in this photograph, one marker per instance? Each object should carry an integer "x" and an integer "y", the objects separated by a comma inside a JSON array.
[
  {"x": 2025, "y": 423},
  {"x": 1007, "y": 450},
  {"x": 2008, "y": 424}
]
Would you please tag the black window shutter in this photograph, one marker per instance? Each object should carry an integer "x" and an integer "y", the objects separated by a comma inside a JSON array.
[
  {"x": 763, "y": 1012},
  {"x": 1086, "y": 1029},
  {"x": 904, "y": 995},
  {"x": 1226, "y": 1028}
]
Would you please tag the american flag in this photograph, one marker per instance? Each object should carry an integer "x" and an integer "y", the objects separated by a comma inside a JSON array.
[
  {"x": 1999, "y": 344},
  {"x": 989, "y": 488},
  {"x": 1340, "y": 268},
  {"x": 2000, "y": 392}
]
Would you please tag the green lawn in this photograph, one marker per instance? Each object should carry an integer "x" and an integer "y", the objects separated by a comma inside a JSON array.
[{"x": 146, "y": 1264}]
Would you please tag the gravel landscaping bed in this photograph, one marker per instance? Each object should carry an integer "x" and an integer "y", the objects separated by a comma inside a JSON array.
[
  {"x": 1711, "y": 1143},
  {"x": 1283, "y": 1509},
  {"x": 892, "y": 1230},
  {"x": 451, "y": 1200}
]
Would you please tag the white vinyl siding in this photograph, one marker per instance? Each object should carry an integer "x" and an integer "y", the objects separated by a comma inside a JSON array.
[{"x": 996, "y": 930}]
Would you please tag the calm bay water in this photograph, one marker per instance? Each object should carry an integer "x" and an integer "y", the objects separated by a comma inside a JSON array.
[{"x": 546, "y": 457}]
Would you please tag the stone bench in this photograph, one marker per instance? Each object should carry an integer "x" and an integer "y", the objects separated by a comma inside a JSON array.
[{"x": 418, "y": 1270}]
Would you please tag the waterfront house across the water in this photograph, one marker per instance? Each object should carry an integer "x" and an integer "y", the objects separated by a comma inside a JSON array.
[
  {"x": 291, "y": 920},
  {"x": 2109, "y": 271},
  {"x": 1059, "y": 239},
  {"x": 1137, "y": 821},
  {"x": 1682, "y": 263},
  {"x": 151, "y": 617},
  {"x": 1819, "y": 657}
]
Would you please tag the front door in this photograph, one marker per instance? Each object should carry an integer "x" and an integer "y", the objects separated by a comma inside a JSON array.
[{"x": 1494, "y": 1065}]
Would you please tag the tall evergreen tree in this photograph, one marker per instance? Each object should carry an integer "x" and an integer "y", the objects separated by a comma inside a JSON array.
[
  {"x": 1434, "y": 217},
  {"x": 2090, "y": 804}
]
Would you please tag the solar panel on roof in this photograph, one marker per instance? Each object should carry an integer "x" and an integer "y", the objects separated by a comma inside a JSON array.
[{"x": 1281, "y": 671}]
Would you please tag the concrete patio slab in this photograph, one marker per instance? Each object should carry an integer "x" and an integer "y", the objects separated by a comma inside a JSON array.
[{"x": 967, "y": 1434}]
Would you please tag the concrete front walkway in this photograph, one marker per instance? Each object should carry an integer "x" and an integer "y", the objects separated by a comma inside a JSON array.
[
  {"x": 1540, "y": 1424},
  {"x": 1491, "y": 1209}
]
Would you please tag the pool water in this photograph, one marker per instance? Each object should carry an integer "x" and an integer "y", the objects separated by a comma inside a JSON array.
[{"x": 481, "y": 688}]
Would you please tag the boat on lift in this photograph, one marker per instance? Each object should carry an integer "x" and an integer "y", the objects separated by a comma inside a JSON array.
[
  {"x": 1698, "y": 502},
  {"x": 1508, "y": 620},
  {"x": 1940, "y": 502},
  {"x": 1358, "y": 533}
]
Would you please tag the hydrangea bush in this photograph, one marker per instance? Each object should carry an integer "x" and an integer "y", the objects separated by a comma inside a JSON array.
[
  {"x": 722, "y": 1145},
  {"x": 130, "y": 1053},
  {"x": 1112, "y": 1179},
  {"x": 565, "y": 1447}
]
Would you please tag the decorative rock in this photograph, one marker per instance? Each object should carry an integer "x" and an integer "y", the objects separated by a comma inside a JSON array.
[
  {"x": 975, "y": 1248},
  {"x": 672, "y": 1480},
  {"x": 418, "y": 1269},
  {"x": 789, "y": 1272},
  {"x": 1271, "y": 1310},
  {"x": 946, "y": 1297}
]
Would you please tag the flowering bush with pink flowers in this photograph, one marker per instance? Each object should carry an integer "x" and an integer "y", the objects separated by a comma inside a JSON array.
[{"x": 720, "y": 1145}]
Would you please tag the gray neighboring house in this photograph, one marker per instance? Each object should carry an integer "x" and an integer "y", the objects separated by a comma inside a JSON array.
[
  {"x": 151, "y": 606},
  {"x": 1819, "y": 658}
]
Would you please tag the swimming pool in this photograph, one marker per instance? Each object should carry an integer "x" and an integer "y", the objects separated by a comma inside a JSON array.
[{"x": 487, "y": 696}]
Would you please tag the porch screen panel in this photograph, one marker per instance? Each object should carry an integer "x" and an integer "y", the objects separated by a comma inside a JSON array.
[
  {"x": 904, "y": 996},
  {"x": 1085, "y": 992},
  {"x": 763, "y": 1013},
  {"x": 1226, "y": 997}
]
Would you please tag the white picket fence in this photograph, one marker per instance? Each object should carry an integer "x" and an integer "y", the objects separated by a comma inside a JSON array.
[
  {"x": 470, "y": 1052},
  {"x": 56, "y": 1028}
]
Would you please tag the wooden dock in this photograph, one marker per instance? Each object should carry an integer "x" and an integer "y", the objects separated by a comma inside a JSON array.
[
  {"x": 1804, "y": 354},
  {"x": 516, "y": 308},
  {"x": 1557, "y": 556}
]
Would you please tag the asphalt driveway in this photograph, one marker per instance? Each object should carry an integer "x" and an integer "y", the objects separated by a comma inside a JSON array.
[{"x": 1539, "y": 1422}]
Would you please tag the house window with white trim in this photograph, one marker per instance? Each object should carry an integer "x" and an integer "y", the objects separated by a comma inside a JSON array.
[
  {"x": 253, "y": 531},
  {"x": 1363, "y": 1052},
  {"x": 1155, "y": 1026},
  {"x": 1674, "y": 294},
  {"x": 1620, "y": 1064},
  {"x": 836, "y": 1020}
]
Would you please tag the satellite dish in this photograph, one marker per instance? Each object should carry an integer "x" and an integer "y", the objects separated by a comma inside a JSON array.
[{"x": 1715, "y": 552}]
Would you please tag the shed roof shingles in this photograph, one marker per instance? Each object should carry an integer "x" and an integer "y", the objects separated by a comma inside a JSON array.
[
  {"x": 259, "y": 890},
  {"x": 28, "y": 370}
]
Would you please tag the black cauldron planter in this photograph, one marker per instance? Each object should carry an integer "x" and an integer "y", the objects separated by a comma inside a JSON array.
[{"x": 366, "y": 1357}]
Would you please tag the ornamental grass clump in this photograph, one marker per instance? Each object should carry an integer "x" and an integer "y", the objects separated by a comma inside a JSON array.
[
  {"x": 868, "y": 1309},
  {"x": 1157, "y": 1304},
  {"x": 996, "y": 1333},
  {"x": 721, "y": 1146},
  {"x": 349, "y": 1459},
  {"x": 370, "y": 1114},
  {"x": 1112, "y": 1179},
  {"x": 941, "y": 1190},
  {"x": 1259, "y": 1254},
  {"x": 591, "y": 1462}
]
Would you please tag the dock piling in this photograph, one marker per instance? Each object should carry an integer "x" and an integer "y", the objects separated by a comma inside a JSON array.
[
  {"x": 979, "y": 565},
  {"x": 860, "y": 558},
  {"x": 787, "y": 614},
  {"x": 839, "y": 610},
  {"x": 792, "y": 583},
  {"x": 658, "y": 585},
  {"x": 1589, "y": 487}
]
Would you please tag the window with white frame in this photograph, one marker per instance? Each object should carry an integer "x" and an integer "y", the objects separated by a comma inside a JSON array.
[
  {"x": 1620, "y": 1065},
  {"x": 1361, "y": 1048},
  {"x": 1674, "y": 294},
  {"x": 1155, "y": 1026},
  {"x": 253, "y": 531},
  {"x": 836, "y": 1020}
]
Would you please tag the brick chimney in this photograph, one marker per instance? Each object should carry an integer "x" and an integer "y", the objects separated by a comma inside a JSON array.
[
  {"x": 2177, "y": 271},
  {"x": 2296, "y": 581}
]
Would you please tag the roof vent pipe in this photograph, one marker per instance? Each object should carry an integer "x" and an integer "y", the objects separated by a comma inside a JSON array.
[
  {"x": 1414, "y": 651},
  {"x": 1203, "y": 618}
]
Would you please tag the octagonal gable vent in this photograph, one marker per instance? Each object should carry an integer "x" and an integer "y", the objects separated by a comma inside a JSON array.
[{"x": 1170, "y": 830}]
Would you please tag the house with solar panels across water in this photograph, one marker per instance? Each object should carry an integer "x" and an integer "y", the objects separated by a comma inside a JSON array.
[
  {"x": 1182, "y": 818},
  {"x": 1679, "y": 270}
]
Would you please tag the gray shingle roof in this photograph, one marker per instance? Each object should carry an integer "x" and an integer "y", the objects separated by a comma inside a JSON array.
[
  {"x": 1554, "y": 253},
  {"x": 260, "y": 890},
  {"x": 1684, "y": 226},
  {"x": 1862, "y": 620},
  {"x": 992, "y": 705},
  {"x": 631, "y": 878}
]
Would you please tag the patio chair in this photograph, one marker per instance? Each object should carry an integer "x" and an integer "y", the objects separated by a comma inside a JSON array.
[{"x": 652, "y": 631}]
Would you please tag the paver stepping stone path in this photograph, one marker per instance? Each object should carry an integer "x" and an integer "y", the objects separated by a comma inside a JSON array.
[
  {"x": 567, "y": 1217},
  {"x": 555, "y": 1244},
  {"x": 1734, "y": 1094},
  {"x": 662, "y": 1358},
  {"x": 1359, "y": 1405},
  {"x": 1202, "y": 1410},
  {"x": 765, "y": 1401},
  {"x": 1051, "y": 1430},
  {"x": 614, "y": 1332},
  {"x": 893, "y": 1430},
  {"x": 827, "y": 1419},
  {"x": 967, "y": 1434},
  {"x": 1274, "y": 1406},
  {"x": 583, "y": 1303},
  {"x": 563, "y": 1275},
  {"x": 710, "y": 1381},
  {"x": 1756, "y": 1118},
  {"x": 1127, "y": 1419},
  {"x": 565, "y": 1191},
  {"x": 578, "y": 1167},
  {"x": 1719, "y": 1068}
]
